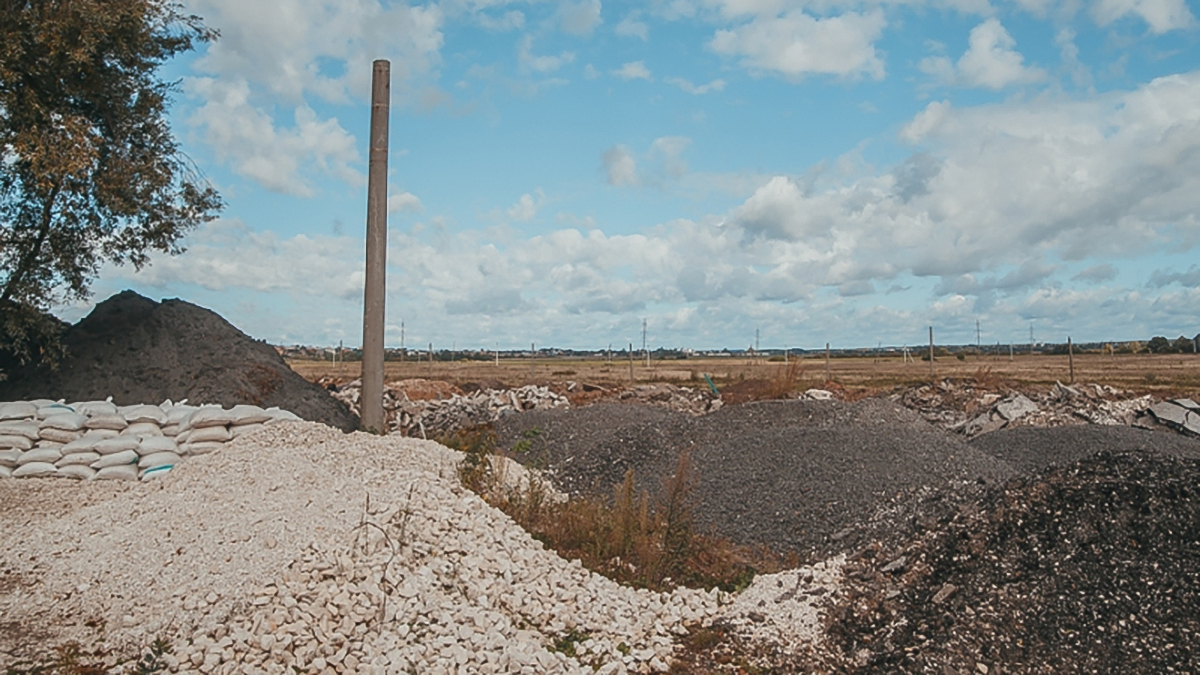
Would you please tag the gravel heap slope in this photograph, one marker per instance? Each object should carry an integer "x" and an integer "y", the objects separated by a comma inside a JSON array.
[
  {"x": 814, "y": 477},
  {"x": 1091, "y": 567},
  {"x": 1031, "y": 449},
  {"x": 137, "y": 350},
  {"x": 299, "y": 547}
]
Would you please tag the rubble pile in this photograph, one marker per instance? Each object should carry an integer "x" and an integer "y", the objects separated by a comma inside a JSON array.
[
  {"x": 434, "y": 417},
  {"x": 968, "y": 409},
  {"x": 694, "y": 402}
]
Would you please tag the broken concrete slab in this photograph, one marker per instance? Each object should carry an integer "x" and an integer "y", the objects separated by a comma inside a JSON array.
[
  {"x": 1015, "y": 407},
  {"x": 1187, "y": 403},
  {"x": 1169, "y": 413},
  {"x": 1192, "y": 424}
]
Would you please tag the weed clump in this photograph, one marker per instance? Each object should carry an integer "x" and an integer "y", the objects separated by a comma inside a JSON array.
[{"x": 632, "y": 539}]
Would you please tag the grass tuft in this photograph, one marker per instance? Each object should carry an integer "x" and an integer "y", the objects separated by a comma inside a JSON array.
[{"x": 632, "y": 539}]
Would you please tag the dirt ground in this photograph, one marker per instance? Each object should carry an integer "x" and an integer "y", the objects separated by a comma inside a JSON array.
[{"x": 1162, "y": 375}]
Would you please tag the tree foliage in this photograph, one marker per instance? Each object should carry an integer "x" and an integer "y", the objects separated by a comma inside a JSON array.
[{"x": 89, "y": 170}]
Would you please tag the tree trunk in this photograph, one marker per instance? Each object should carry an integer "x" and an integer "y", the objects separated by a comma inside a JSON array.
[{"x": 30, "y": 259}]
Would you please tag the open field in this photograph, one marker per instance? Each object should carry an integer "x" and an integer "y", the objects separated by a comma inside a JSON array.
[{"x": 1166, "y": 374}]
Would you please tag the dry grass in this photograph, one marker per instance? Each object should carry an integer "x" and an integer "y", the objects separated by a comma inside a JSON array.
[
  {"x": 633, "y": 539},
  {"x": 1162, "y": 374}
]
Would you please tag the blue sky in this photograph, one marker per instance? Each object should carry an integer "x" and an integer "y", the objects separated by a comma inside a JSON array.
[{"x": 827, "y": 171}]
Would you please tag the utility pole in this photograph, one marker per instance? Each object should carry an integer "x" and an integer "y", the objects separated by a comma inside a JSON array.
[
  {"x": 431, "y": 360},
  {"x": 371, "y": 405},
  {"x": 931, "y": 352},
  {"x": 644, "y": 349},
  {"x": 1071, "y": 359},
  {"x": 403, "y": 351},
  {"x": 631, "y": 363}
]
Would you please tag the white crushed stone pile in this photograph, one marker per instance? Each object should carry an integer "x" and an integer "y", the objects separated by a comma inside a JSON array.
[{"x": 265, "y": 557}]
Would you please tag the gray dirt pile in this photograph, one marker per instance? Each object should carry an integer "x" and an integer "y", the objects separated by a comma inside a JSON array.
[
  {"x": 137, "y": 351},
  {"x": 813, "y": 477}
]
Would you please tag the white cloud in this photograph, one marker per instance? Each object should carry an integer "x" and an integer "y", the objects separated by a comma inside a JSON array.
[
  {"x": 797, "y": 44},
  {"x": 669, "y": 150},
  {"x": 590, "y": 72},
  {"x": 634, "y": 70},
  {"x": 527, "y": 207},
  {"x": 1161, "y": 15},
  {"x": 630, "y": 26},
  {"x": 715, "y": 85},
  {"x": 227, "y": 255},
  {"x": 511, "y": 20},
  {"x": 247, "y": 139},
  {"x": 990, "y": 61},
  {"x": 404, "y": 202},
  {"x": 620, "y": 166},
  {"x": 319, "y": 47},
  {"x": 1002, "y": 187},
  {"x": 541, "y": 64},
  {"x": 580, "y": 18}
]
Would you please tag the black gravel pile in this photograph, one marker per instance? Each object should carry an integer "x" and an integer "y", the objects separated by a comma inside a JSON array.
[
  {"x": 1031, "y": 449},
  {"x": 1093, "y": 567},
  {"x": 810, "y": 477},
  {"x": 140, "y": 351}
]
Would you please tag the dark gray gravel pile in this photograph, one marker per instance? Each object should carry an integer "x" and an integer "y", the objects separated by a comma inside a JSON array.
[
  {"x": 812, "y": 477},
  {"x": 1031, "y": 449},
  {"x": 137, "y": 350},
  {"x": 1089, "y": 567}
]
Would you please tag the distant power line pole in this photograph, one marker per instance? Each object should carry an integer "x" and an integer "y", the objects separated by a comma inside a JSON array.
[
  {"x": 645, "y": 349},
  {"x": 931, "y": 352}
]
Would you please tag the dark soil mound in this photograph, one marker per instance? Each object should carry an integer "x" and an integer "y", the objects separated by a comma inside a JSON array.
[
  {"x": 811, "y": 477},
  {"x": 140, "y": 351},
  {"x": 1031, "y": 449},
  {"x": 1088, "y": 568}
]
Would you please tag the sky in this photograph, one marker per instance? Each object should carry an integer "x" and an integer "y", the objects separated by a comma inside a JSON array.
[{"x": 840, "y": 171}]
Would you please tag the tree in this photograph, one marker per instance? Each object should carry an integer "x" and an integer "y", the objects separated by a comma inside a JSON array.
[
  {"x": 89, "y": 170},
  {"x": 1159, "y": 345}
]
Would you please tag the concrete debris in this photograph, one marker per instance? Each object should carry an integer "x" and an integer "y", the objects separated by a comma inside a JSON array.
[
  {"x": 1178, "y": 415},
  {"x": 817, "y": 395},
  {"x": 970, "y": 410},
  {"x": 1015, "y": 407},
  {"x": 431, "y": 418},
  {"x": 694, "y": 402}
]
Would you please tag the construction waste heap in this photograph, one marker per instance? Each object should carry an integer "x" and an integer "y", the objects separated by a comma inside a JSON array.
[{"x": 949, "y": 528}]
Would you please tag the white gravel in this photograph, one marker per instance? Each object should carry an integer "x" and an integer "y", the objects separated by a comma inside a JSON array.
[{"x": 298, "y": 546}]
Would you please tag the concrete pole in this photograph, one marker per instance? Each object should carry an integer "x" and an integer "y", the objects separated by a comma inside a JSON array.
[
  {"x": 828, "y": 377},
  {"x": 373, "y": 295},
  {"x": 931, "y": 352},
  {"x": 1071, "y": 359}
]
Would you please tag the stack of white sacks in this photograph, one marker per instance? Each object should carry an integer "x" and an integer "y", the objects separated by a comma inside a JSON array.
[{"x": 99, "y": 440}]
